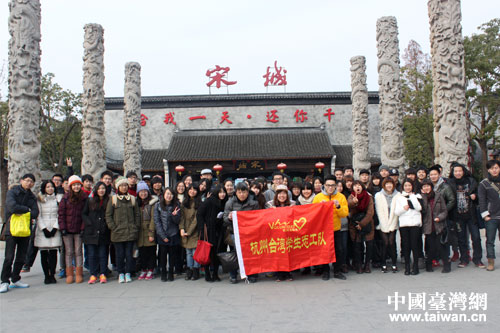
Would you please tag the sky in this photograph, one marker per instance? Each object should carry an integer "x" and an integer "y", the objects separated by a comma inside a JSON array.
[{"x": 177, "y": 41}]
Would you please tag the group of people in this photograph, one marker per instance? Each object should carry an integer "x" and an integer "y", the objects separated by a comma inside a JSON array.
[{"x": 147, "y": 229}]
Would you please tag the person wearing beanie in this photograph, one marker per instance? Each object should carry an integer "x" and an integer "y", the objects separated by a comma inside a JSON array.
[
  {"x": 20, "y": 200},
  {"x": 157, "y": 186},
  {"x": 123, "y": 218},
  {"x": 71, "y": 226},
  {"x": 146, "y": 241},
  {"x": 364, "y": 177}
]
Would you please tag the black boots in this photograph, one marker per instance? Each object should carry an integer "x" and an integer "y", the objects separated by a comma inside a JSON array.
[
  {"x": 208, "y": 274},
  {"x": 446, "y": 266},
  {"x": 428, "y": 266},
  {"x": 196, "y": 274},
  {"x": 189, "y": 274},
  {"x": 407, "y": 268}
]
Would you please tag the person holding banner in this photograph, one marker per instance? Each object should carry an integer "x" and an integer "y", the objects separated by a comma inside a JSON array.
[
  {"x": 241, "y": 201},
  {"x": 281, "y": 199},
  {"x": 340, "y": 210}
]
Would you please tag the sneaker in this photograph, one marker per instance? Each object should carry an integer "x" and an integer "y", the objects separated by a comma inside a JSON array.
[
  {"x": 19, "y": 284},
  {"x": 92, "y": 279},
  {"x": 26, "y": 269},
  {"x": 128, "y": 278},
  {"x": 142, "y": 276},
  {"x": 435, "y": 263},
  {"x": 121, "y": 278},
  {"x": 4, "y": 287},
  {"x": 325, "y": 276},
  {"x": 462, "y": 264},
  {"x": 233, "y": 280},
  {"x": 384, "y": 269},
  {"x": 103, "y": 278},
  {"x": 339, "y": 276},
  {"x": 394, "y": 269},
  {"x": 455, "y": 256},
  {"x": 149, "y": 275},
  {"x": 479, "y": 264},
  {"x": 62, "y": 273}
]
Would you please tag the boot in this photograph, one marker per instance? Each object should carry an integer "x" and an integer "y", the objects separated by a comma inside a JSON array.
[
  {"x": 428, "y": 266},
  {"x": 491, "y": 265},
  {"x": 189, "y": 274},
  {"x": 170, "y": 275},
  {"x": 164, "y": 275},
  {"x": 208, "y": 275},
  {"x": 415, "y": 270},
  {"x": 407, "y": 268},
  {"x": 367, "y": 268},
  {"x": 446, "y": 266},
  {"x": 196, "y": 274},
  {"x": 215, "y": 275},
  {"x": 79, "y": 275},
  {"x": 69, "y": 275}
]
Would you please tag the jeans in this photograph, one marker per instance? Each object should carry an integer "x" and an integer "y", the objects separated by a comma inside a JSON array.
[
  {"x": 73, "y": 248},
  {"x": 468, "y": 224},
  {"x": 124, "y": 260},
  {"x": 147, "y": 257},
  {"x": 97, "y": 258},
  {"x": 491, "y": 233},
  {"x": 9, "y": 272},
  {"x": 191, "y": 263},
  {"x": 409, "y": 243}
]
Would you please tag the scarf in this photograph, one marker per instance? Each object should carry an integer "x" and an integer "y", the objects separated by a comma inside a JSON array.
[
  {"x": 438, "y": 183},
  {"x": 389, "y": 197},
  {"x": 304, "y": 201},
  {"x": 363, "y": 200},
  {"x": 494, "y": 179},
  {"x": 123, "y": 196}
]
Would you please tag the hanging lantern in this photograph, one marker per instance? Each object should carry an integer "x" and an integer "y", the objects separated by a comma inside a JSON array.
[
  {"x": 320, "y": 166},
  {"x": 281, "y": 167},
  {"x": 217, "y": 168},
  {"x": 180, "y": 169}
]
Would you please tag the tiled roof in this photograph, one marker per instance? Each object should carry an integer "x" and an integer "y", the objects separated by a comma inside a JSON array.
[{"x": 254, "y": 144}]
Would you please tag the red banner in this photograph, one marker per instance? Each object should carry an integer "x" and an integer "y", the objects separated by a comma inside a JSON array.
[{"x": 284, "y": 239}]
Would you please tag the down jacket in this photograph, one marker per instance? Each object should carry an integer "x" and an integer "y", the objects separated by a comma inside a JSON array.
[
  {"x": 96, "y": 231},
  {"x": 339, "y": 213},
  {"x": 47, "y": 219},
  {"x": 19, "y": 201},
  {"x": 411, "y": 217},
  {"x": 70, "y": 214},
  {"x": 167, "y": 224},
  {"x": 123, "y": 220},
  {"x": 388, "y": 221}
]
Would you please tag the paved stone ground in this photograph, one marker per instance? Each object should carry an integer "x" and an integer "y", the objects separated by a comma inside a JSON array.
[{"x": 307, "y": 304}]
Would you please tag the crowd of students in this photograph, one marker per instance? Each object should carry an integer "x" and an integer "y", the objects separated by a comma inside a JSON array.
[{"x": 148, "y": 230}]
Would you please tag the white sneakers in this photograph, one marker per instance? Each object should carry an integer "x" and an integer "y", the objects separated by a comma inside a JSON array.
[
  {"x": 19, "y": 284},
  {"x": 4, "y": 287}
]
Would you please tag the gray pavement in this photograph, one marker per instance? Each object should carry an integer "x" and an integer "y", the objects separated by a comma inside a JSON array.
[{"x": 307, "y": 304}]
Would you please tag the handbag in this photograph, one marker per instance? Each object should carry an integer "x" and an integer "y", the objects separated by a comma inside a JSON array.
[
  {"x": 20, "y": 225},
  {"x": 228, "y": 261},
  {"x": 202, "y": 252},
  {"x": 357, "y": 219}
]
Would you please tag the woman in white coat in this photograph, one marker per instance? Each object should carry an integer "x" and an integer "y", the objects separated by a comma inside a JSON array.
[
  {"x": 409, "y": 208},
  {"x": 47, "y": 237},
  {"x": 385, "y": 204}
]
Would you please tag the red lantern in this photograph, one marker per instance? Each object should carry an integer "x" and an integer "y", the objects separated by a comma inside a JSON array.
[
  {"x": 320, "y": 166},
  {"x": 180, "y": 169},
  {"x": 217, "y": 168},
  {"x": 281, "y": 167}
]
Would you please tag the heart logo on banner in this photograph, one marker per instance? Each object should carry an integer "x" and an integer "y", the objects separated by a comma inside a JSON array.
[{"x": 299, "y": 224}]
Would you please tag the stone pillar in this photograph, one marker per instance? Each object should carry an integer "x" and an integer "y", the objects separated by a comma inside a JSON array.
[
  {"x": 132, "y": 119},
  {"x": 24, "y": 89},
  {"x": 359, "y": 98},
  {"x": 391, "y": 115},
  {"x": 451, "y": 135},
  {"x": 93, "y": 139}
]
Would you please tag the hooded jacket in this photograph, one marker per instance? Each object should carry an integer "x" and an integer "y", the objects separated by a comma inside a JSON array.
[{"x": 338, "y": 213}]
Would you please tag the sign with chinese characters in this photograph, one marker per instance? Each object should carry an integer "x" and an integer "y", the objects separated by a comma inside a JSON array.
[
  {"x": 284, "y": 239},
  {"x": 218, "y": 77},
  {"x": 275, "y": 76},
  {"x": 249, "y": 165}
]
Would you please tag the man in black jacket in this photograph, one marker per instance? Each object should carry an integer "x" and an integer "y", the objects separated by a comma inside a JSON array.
[{"x": 20, "y": 200}]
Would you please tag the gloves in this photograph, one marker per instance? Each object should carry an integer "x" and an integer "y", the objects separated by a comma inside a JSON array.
[
  {"x": 47, "y": 233},
  {"x": 53, "y": 232},
  {"x": 64, "y": 232}
]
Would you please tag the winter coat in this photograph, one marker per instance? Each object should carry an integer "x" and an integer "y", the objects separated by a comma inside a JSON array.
[
  {"x": 447, "y": 193},
  {"x": 147, "y": 228},
  {"x": 19, "y": 201},
  {"x": 411, "y": 217},
  {"x": 70, "y": 214},
  {"x": 235, "y": 205},
  {"x": 489, "y": 200},
  {"x": 469, "y": 187},
  {"x": 190, "y": 226},
  {"x": 124, "y": 220},
  {"x": 47, "y": 219},
  {"x": 440, "y": 211},
  {"x": 367, "y": 220},
  {"x": 96, "y": 230},
  {"x": 338, "y": 213},
  {"x": 207, "y": 216},
  {"x": 166, "y": 224},
  {"x": 388, "y": 222}
]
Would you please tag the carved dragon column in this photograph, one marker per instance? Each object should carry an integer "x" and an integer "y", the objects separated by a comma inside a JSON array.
[{"x": 132, "y": 119}]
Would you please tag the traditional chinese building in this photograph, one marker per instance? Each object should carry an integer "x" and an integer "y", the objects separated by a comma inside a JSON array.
[{"x": 248, "y": 134}]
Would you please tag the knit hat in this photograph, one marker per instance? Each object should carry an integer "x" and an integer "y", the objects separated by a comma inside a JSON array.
[
  {"x": 206, "y": 171},
  {"x": 156, "y": 179},
  {"x": 383, "y": 167},
  {"x": 142, "y": 186},
  {"x": 74, "y": 179},
  {"x": 281, "y": 188},
  {"x": 362, "y": 171},
  {"x": 120, "y": 181}
]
